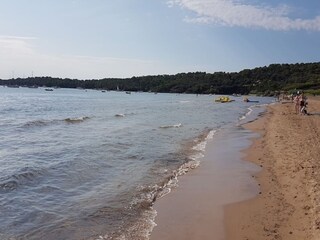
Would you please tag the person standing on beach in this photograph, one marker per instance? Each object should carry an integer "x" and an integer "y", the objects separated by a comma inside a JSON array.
[
  {"x": 303, "y": 104},
  {"x": 297, "y": 103}
]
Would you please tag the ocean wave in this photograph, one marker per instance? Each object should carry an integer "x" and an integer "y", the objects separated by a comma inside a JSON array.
[
  {"x": 9, "y": 185},
  {"x": 22, "y": 177},
  {"x": 142, "y": 203},
  {"x": 76, "y": 120},
  {"x": 186, "y": 167},
  {"x": 37, "y": 123},
  {"x": 250, "y": 110},
  {"x": 119, "y": 115},
  {"x": 201, "y": 142},
  {"x": 150, "y": 194},
  {"x": 159, "y": 190},
  {"x": 172, "y": 126},
  {"x": 43, "y": 123}
]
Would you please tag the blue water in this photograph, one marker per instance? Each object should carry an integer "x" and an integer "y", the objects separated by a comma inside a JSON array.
[{"x": 86, "y": 164}]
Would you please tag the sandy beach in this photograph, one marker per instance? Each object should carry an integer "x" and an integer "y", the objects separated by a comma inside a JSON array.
[
  {"x": 287, "y": 206},
  {"x": 195, "y": 210},
  {"x": 274, "y": 198}
]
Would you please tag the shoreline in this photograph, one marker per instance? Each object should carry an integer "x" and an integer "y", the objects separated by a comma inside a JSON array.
[
  {"x": 288, "y": 150},
  {"x": 279, "y": 190},
  {"x": 195, "y": 210}
]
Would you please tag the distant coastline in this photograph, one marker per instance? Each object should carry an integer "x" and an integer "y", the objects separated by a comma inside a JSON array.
[{"x": 265, "y": 81}]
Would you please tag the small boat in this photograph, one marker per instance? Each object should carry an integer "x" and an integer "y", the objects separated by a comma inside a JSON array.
[
  {"x": 223, "y": 99},
  {"x": 128, "y": 92},
  {"x": 48, "y": 89},
  {"x": 245, "y": 99}
]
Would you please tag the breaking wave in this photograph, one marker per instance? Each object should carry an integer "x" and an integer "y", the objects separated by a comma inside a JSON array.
[
  {"x": 172, "y": 126},
  {"x": 22, "y": 177},
  {"x": 120, "y": 115},
  {"x": 151, "y": 193},
  {"x": 43, "y": 123},
  {"x": 37, "y": 123},
  {"x": 142, "y": 204},
  {"x": 251, "y": 109},
  {"x": 247, "y": 114},
  {"x": 76, "y": 120}
]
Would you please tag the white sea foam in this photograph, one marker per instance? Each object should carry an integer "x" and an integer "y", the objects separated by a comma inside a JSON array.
[
  {"x": 76, "y": 119},
  {"x": 172, "y": 126},
  {"x": 202, "y": 145},
  {"x": 120, "y": 115},
  {"x": 250, "y": 110},
  {"x": 265, "y": 104},
  {"x": 211, "y": 134},
  {"x": 194, "y": 162},
  {"x": 151, "y": 193},
  {"x": 42, "y": 123}
]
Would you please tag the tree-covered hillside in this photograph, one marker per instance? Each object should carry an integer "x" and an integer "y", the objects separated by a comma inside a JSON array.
[{"x": 262, "y": 80}]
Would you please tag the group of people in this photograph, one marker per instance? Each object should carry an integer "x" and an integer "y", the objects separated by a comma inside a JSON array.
[{"x": 301, "y": 103}]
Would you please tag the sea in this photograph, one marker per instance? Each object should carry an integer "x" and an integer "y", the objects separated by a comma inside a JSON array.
[{"x": 90, "y": 164}]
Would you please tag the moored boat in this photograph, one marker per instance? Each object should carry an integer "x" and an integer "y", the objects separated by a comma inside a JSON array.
[
  {"x": 223, "y": 99},
  {"x": 245, "y": 99}
]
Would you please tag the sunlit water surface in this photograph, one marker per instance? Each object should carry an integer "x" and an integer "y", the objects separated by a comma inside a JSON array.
[{"x": 80, "y": 164}]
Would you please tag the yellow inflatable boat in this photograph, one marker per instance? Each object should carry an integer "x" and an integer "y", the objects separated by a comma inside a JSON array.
[{"x": 223, "y": 99}]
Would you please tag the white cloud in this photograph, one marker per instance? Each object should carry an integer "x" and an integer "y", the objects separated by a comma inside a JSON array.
[
  {"x": 238, "y": 13},
  {"x": 11, "y": 46}
]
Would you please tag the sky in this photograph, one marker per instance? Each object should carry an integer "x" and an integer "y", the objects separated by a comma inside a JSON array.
[{"x": 95, "y": 39}]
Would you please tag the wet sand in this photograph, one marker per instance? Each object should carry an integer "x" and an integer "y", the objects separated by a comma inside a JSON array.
[
  {"x": 274, "y": 198},
  {"x": 288, "y": 205},
  {"x": 195, "y": 210}
]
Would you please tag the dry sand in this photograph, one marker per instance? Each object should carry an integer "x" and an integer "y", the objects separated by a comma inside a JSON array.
[
  {"x": 288, "y": 206},
  {"x": 285, "y": 204}
]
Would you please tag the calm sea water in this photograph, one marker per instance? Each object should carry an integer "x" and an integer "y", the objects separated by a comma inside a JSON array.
[{"x": 78, "y": 164}]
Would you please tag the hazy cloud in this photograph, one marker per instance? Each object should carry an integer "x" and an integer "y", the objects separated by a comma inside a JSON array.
[
  {"x": 12, "y": 46},
  {"x": 20, "y": 55},
  {"x": 238, "y": 13}
]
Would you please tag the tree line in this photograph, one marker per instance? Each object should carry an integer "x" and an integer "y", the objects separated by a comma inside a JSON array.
[{"x": 265, "y": 80}]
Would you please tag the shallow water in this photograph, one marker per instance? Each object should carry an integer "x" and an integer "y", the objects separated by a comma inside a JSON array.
[
  {"x": 195, "y": 210},
  {"x": 79, "y": 164}
]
